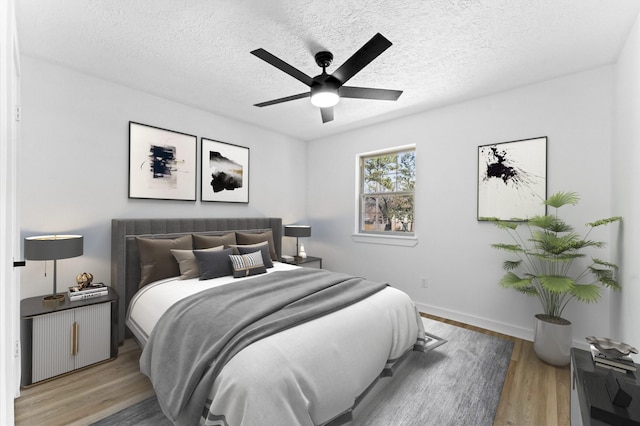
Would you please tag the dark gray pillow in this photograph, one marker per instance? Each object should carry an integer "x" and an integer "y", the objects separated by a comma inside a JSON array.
[
  {"x": 156, "y": 260},
  {"x": 263, "y": 247},
  {"x": 188, "y": 263},
  {"x": 208, "y": 241},
  {"x": 245, "y": 265},
  {"x": 214, "y": 264}
]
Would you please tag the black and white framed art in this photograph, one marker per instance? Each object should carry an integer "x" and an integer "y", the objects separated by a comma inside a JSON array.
[
  {"x": 162, "y": 163},
  {"x": 512, "y": 179},
  {"x": 224, "y": 172}
]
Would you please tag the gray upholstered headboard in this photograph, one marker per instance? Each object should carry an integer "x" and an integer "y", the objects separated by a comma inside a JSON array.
[{"x": 125, "y": 262}]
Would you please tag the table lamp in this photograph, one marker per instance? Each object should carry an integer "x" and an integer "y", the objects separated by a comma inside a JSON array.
[
  {"x": 53, "y": 247},
  {"x": 297, "y": 231}
]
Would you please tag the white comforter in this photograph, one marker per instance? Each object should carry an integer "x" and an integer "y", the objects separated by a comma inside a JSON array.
[{"x": 329, "y": 361}]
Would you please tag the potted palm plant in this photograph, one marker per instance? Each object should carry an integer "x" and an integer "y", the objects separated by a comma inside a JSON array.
[{"x": 547, "y": 264}]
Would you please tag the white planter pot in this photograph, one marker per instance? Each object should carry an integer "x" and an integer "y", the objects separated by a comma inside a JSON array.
[{"x": 552, "y": 341}]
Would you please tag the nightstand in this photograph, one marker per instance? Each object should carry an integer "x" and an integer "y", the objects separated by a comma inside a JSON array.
[
  {"x": 60, "y": 339},
  {"x": 587, "y": 384},
  {"x": 307, "y": 262}
]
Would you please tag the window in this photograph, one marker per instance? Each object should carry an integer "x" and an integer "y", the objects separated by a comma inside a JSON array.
[{"x": 386, "y": 192}]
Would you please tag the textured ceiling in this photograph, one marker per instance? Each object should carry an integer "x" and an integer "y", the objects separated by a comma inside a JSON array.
[{"x": 444, "y": 51}]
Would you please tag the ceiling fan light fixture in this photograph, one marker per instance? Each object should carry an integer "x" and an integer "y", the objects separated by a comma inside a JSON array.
[
  {"x": 324, "y": 93},
  {"x": 327, "y": 89},
  {"x": 325, "y": 98}
]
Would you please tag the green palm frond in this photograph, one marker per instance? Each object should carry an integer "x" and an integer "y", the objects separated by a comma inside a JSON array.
[
  {"x": 556, "y": 284},
  {"x": 543, "y": 221},
  {"x": 557, "y": 258},
  {"x": 522, "y": 285},
  {"x": 603, "y": 263},
  {"x": 511, "y": 280},
  {"x": 560, "y": 199},
  {"x": 588, "y": 293},
  {"x": 510, "y": 265},
  {"x": 506, "y": 225},
  {"x": 605, "y": 276},
  {"x": 580, "y": 244},
  {"x": 605, "y": 221},
  {"x": 508, "y": 247},
  {"x": 528, "y": 290},
  {"x": 489, "y": 219},
  {"x": 550, "y": 223},
  {"x": 553, "y": 243}
]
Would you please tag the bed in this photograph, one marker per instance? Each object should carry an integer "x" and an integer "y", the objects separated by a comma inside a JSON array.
[{"x": 296, "y": 364}]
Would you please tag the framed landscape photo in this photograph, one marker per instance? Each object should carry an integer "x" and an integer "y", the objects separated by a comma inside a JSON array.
[
  {"x": 162, "y": 163},
  {"x": 224, "y": 172},
  {"x": 512, "y": 179}
]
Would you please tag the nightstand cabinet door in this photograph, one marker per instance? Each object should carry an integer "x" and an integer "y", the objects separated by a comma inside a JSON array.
[
  {"x": 93, "y": 333},
  {"x": 51, "y": 345},
  {"x": 67, "y": 340}
]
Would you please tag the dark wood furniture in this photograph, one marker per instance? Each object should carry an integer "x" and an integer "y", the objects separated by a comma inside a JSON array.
[{"x": 63, "y": 338}]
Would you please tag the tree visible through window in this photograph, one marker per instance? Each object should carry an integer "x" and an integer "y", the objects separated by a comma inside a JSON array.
[{"x": 387, "y": 191}]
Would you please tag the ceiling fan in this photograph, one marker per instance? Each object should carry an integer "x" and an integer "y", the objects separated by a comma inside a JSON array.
[{"x": 327, "y": 89}]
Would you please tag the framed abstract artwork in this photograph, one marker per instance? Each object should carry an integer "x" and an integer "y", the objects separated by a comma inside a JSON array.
[
  {"x": 512, "y": 179},
  {"x": 224, "y": 172},
  {"x": 162, "y": 163}
]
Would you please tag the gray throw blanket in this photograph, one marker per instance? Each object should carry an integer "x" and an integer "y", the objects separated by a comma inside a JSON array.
[{"x": 198, "y": 335}]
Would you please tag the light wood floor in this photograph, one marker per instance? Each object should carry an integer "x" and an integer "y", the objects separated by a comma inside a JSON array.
[{"x": 534, "y": 393}]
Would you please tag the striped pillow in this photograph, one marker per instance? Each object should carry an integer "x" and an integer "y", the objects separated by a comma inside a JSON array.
[{"x": 248, "y": 264}]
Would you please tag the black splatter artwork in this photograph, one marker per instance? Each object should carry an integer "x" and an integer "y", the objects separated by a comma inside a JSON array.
[
  {"x": 163, "y": 160},
  {"x": 500, "y": 166},
  {"x": 227, "y": 173},
  {"x": 512, "y": 179}
]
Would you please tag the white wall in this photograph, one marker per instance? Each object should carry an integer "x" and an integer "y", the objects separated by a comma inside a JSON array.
[
  {"x": 74, "y": 166},
  {"x": 626, "y": 175},
  {"x": 453, "y": 251}
]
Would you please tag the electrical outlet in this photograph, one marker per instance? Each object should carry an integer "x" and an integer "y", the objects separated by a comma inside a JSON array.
[{"x": 424, "y": 283}]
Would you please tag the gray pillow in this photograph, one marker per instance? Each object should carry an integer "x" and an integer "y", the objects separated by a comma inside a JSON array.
[
  {"x": 188, "y": 263},
  {"x": 263, "y": 247},
  {"x": 245, "y": 265},
  {"x": 156, "y": 260},
  {"x": 208, "y": 241},
  {"x": 214, "y": 264},
  {"x": 244, "y": 238}
]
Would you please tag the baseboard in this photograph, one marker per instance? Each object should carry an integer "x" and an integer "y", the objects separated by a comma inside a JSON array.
[{"x": 499, "y": 327}]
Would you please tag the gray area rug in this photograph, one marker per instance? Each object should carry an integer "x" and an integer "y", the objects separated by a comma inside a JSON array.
[{"x": 457, "y": 383}]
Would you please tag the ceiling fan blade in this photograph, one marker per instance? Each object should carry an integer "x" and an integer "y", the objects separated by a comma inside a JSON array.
[
  {"x": 283, "y": 66},
  {"x": 327, "y": 114},
  {"x": 369, "y": 93},
  {"x": 367, "y": 53},
  {"x": 285, "y": 99}
]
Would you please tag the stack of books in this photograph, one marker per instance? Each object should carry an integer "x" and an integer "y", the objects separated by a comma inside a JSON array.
[
  {"x": 92, "y": 290},
  {"x": 623, "y": 364}
]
